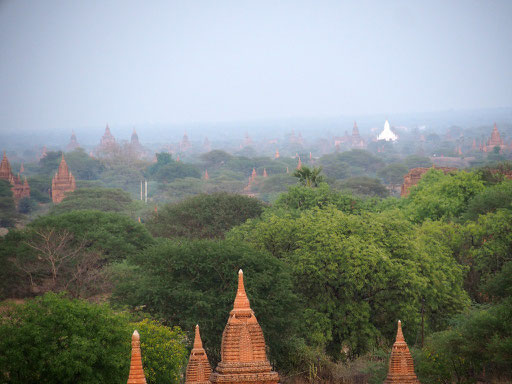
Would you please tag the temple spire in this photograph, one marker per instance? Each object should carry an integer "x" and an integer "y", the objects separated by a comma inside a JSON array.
[
  {"x": 241, "y": 299},
  {"x": 198, "y": 367},
  {"x": 401, "y": 365},
  {"x": 136, "y": 375}
]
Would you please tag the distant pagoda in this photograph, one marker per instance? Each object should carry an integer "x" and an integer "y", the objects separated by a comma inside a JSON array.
[
  {"x": 401, "y": 364},
  {"x": 185, "y": 144},
  {"x": 243, "y": 356},
  {"x": 198, "y": 367},
  {"x": 356, "y": 139},
  {"x": 136, "y": 375},
  {"x": 494, "y": 141},
  {"x": 73, "y": 143},
  {"x": 387, "y": 134},
  {"x": 19, "y": 188},
  {"x": 107, "y": 143},
  {"x": 63, "y": 182}
]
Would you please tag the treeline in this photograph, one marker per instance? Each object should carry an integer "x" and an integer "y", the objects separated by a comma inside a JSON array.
[{"x": 328, "y": 274}]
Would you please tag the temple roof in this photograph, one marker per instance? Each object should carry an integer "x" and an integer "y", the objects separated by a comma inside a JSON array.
[{"x": 136, "y": 375}]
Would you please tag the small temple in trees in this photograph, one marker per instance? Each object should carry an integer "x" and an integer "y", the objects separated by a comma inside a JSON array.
[
  {"x": 414, "y": 176},
  {"x": 73, "y": 143},
  {"x": 107, "y": 143},
  {"x": 353, "y": 141},
  {"x": 62, "y": 182},
  {"x": 494, "y": 141},
  {"x": 244, "y": 357},
  {"x": 19, "y": 188}
]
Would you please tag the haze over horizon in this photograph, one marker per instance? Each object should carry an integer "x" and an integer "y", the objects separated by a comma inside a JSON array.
[{"x": 74, "y": 64}]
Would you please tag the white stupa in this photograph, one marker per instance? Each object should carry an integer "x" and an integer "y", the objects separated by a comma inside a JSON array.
[{"x": 387, "y": 134}]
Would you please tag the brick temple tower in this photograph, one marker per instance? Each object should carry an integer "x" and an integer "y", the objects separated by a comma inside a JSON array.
[
  {"x": 198, "y": 368},
  {"x": 243, "y": 356},
  {"x": 401, "y": 365},
  {"x": 136, "y": 375},
  {"x": 494, "y": 141},
  {"x": 73, "y": 143},
  {"x": 62, "y": 182},
  {"x": 19, "y": 188}
]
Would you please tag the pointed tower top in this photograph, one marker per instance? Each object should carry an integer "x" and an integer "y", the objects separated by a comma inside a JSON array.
[
  {"x": 198, "y": 343},
  {"x": 399, "y": 334},
  {"x": 265, "y": 174},
  {"x": 241, "y": 300},
  {"x": 136, "y": 375}
]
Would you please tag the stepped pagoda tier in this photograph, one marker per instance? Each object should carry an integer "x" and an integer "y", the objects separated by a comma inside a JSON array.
[
  {"x": 198, "y": 368},
  {"x": 62, "y": 182},
  {"x": 73, "y": 143},
  {"x": 387, "y": 134},
  {"x": 494, "y": 141},
  {"x": 185, "y": 144},
  {"x": 136, "y": 375},
  {"x": 243, "y": 356},
  {"x": 19, "y": 188},
  {"x": 401, "y": 365}
]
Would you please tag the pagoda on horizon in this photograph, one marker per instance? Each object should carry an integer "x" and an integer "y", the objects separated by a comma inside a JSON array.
[
  {"x": 494, "y": 141},
  {"x": 107, "y": 143},
  {"x": 73, "y": 143}
]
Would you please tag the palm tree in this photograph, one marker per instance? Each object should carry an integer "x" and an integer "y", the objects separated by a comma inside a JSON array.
[{"x": 309, "y": 177}]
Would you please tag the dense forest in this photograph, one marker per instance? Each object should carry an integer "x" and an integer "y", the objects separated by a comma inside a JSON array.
[{"x": 331, "y": 257}]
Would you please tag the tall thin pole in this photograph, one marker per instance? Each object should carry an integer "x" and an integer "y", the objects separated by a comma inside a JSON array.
[
  {"x": 141, "y": 190},
  {"x": 422, "y": 320},
  {"x": 146, "y": 194}
]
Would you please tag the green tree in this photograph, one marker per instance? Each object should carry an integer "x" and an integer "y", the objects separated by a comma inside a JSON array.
[
  {"x": 364, "y": 186},
  {"x": 355, "y": 272},
  {"x": 309, "y": 177},
  {"x": 102, "y": 199},
  {"x": 55, "y": 340},
  {"x": 442, "y": 196},
  {"x": 7, "y": 208},
  {"x": 163, "y": 351},
  {"x": 167, "y": 170},
  {"x": 194, "y": 281},
  {"x": 83, "y": 166},
  {"x": 393, "y": 174},
  {"x": 489, "y": 200},
  {"x": 203, "y": 216},
  {"x": 415, "y": 161}
]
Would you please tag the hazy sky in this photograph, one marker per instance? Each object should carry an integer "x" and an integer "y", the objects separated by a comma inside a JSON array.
[{"x": 66, "y": 64}]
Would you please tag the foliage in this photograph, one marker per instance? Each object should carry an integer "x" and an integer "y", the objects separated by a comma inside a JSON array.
[
  {"x": 83, "y": 166},
  {"x": 477, "y": 347},
  {"x": 415, "y": 161},
  {"x": 364, "y": 186},
  {"x": 356, "y": 162},
  {"x": 442, "y": 196},
  {"x": 215, "y": 158},
  {"x": 489, "y": 200},
  {"x": 102, "y": 199},
  {"x": 393, "y": 174},
  {"x": 55, "y": 340},
  {"x": 49, "y": 164},
  {"x": 7, "y": 207},
  {"x": 355, "y": 272},
  {"x": 300, "y": 198},
  {"x": 191, "y": 281},
  {"x": 163, "y": 351},
  {"x": 203, "y": 216},
  {"x": 309, "y": 177},
  {"x": 167, "y": 170},
  {"x": 40, "y": 187}
]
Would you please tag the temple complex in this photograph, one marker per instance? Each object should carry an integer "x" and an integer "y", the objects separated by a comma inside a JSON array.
[
  {"x": 107, "y": 143},
  {"x": 136, "y": 375},
  {"x": 20, "y": 189},
  {"x": 401, "y": 365},
  {"x": 62, "y": 182},
  {"x": 414, "y": 176},
  {"x": 198, "y": 367},
  {"x": 494, "y": 141},
  {"x": 73, "y": 143},
  {"x": 243, "y": 356}
]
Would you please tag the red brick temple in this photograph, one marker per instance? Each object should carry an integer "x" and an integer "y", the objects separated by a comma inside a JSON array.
[
  {"x": 401, "y": 365},
  {"x": 414, "y": 176},
  {"x": 107, "y": 143},
  {"x": 243, "y": 356},
  {"x": 62, "y": 182},
  {"x": 494, "y": 141},
  {"x": 136, "y": 375},
  {"x": 198, "y": 368},
  {"x": 20, "y": 189}
]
